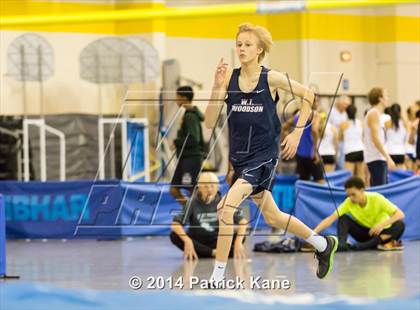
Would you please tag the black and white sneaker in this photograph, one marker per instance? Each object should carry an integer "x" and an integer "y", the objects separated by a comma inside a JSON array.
[{"x": 326, "y": 258}]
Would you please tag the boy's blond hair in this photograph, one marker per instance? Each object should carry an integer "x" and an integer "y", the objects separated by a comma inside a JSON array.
[{"x": 263, "y": 35}]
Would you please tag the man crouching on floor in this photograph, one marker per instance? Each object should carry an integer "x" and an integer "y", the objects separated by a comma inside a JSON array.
[{"x": 201, "y": 215}]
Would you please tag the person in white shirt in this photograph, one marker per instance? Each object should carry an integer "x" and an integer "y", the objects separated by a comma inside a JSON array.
[
  {"x": 396, "y": 136},
  {"x": 329, "y": 146},
  {"x": 375, "y": 154},
  {"x": 336, "y": 118},
  {"x": 351, "y": 133},
  {"x": 338, "y": 112}
]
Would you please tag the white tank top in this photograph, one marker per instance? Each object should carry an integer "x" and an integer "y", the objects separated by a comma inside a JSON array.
[
  {"x": 370, "y": 152},
  {"x": 353, "y": 136},
  {"x": 327, "y": 143},
  {"x": 395, "y": 139}
]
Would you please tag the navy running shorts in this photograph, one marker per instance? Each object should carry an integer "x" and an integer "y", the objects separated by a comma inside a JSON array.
[{"x": 261, "y": 175}]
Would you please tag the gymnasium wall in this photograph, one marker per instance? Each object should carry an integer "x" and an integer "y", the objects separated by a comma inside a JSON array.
[
  {"x": 65, "y": 91},
  {"x": 384, "y": 43}
]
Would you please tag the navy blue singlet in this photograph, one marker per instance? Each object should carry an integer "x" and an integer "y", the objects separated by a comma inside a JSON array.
[{"x": 254, "y": 127}]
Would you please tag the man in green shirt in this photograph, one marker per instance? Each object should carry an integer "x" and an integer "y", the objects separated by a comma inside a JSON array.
[
  {"x": 371, "y": 219},
  {"x": 189, "y": 145}
]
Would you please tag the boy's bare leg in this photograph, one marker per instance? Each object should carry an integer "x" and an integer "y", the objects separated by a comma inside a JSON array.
[{"x": 240, "y": 190}]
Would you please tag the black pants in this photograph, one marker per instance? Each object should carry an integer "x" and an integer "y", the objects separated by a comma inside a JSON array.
[
  {"x": 346, "y": 226},
  {"x": 378, "y": 170},
  {"x": 306, "y": 167},
  {"x": 202, "y": 249},
  {"x": 186, "y": 172}
]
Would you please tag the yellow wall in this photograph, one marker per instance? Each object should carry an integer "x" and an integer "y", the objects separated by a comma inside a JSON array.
[{"x": 384, "y": 43}]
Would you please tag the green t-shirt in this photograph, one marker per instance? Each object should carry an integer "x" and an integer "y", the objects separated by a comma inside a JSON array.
[{"x": 376, "y": 210}]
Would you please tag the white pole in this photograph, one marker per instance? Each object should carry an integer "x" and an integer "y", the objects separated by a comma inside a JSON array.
[
  {"x": 19, "y": 164},
  {"x": 146, "y": 151},
  {"x": 112, "y": 154},
  {"x": 25, "y": 150},
  {"x": 62, "y": 138},
  {"x": 43, "y": 155},
  {"x": 124, "y": 150},
  {"x": 101, "y": 149},
  {"x": 62, "y": 159}
]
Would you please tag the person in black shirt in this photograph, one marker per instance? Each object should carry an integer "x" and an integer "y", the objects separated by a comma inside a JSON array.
[
  {"x": 201, "y": 215},
  {"x": 189, "y": 145}
]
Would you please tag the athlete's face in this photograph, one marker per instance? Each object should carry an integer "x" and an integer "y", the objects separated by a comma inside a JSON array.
[
  {"x": 247, "y": 47},
  {"x": 356, "y": 195}
]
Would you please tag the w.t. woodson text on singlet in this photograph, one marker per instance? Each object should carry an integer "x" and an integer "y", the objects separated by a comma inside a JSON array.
[{"x": 254, "y": 127}]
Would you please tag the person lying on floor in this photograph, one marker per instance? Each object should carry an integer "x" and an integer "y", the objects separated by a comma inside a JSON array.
[
  {"x": 375, "y": 222},
  {"x": 201, "y": 215}
]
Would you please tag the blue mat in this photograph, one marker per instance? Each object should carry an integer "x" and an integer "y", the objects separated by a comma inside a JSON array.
[
  {"x": 37, "y": 296},
  {"x": 113, "y": 208},
  {"x": 2, "y": 238}
]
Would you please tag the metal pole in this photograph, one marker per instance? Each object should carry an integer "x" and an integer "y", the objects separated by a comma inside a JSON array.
[
  {"x": 126, "y": 169},
  {"x": 62, "y": 139},
  {"x": 143, "y": 77},
  {"x": 19, "y": 164},
  {"x": 100, "y": 123},
  {"x": 25, "y": 115},
  {"x": 121, "y": 80},
  {"x": 25, "y": 151},
  {"x": 23, "y": 76},
  {"x": 101, "y": 149},
  {"x": 19, "y": 155},
  {"x": 124, "y": 153},
  {"x": 43, "y": 150},
  {"x": 42, "y": 137},
  {"x": 62, "y": 159},
  {"x": 146, "y": 151},
  {"x": 112, "y": 153},
  {"x": 41, "y": 86},
  {"x": 99, "y": 81}
]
